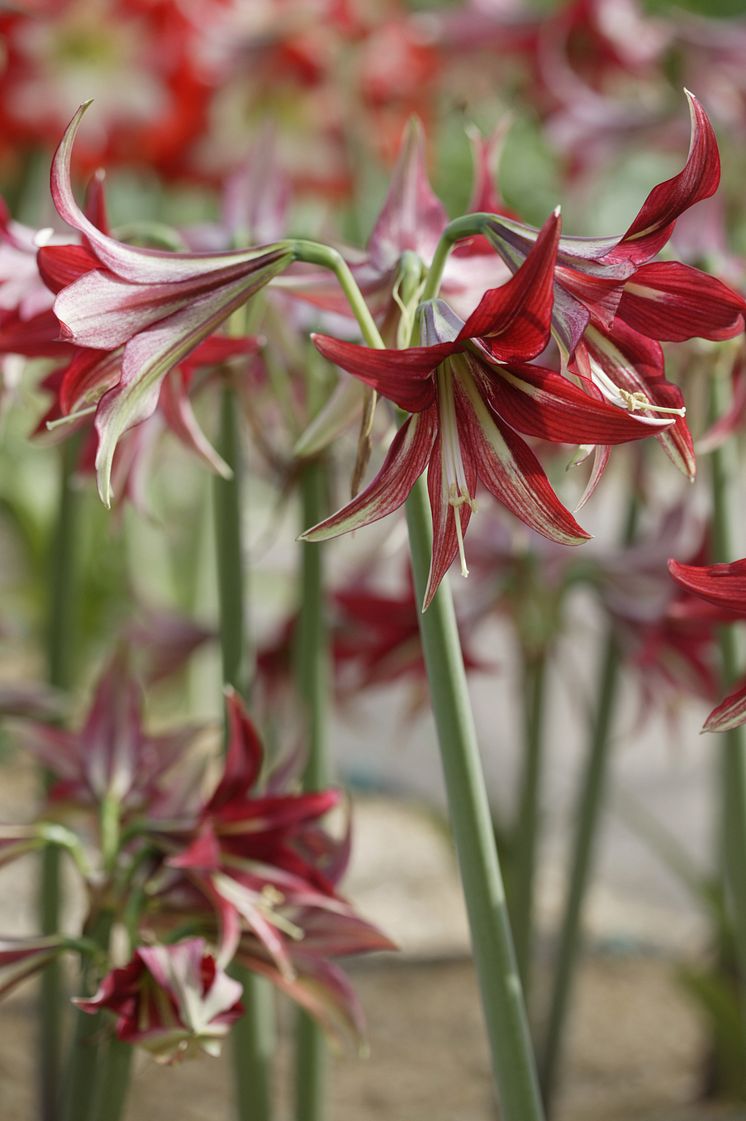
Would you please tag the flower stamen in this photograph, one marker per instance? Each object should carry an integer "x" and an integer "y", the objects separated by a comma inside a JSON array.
[{"x": 639, "y": 400}]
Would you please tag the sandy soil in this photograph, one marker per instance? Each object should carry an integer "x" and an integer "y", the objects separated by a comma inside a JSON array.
[{"x": 634, "y": 1053}]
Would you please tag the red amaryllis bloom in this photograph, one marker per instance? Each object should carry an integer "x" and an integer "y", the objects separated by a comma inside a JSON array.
[
  {"x": 143, "y": 310},
  {"x": 612, "y": 302},
  {"x": 471, "y": 390},
  {"x": 174, "y": 1000},
  {"x": 257, "y": 857},
  {"x": 724, "y": 586},
  {"x": 110, "y": 756}
]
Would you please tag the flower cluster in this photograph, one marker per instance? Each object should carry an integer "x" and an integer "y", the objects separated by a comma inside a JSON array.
[{"x": 247, "y": 866}]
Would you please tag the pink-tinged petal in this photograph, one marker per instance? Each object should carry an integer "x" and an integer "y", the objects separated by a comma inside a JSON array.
[
  {"x": 513, "y": 474},
  {"x": 60, "y": 265},
  {"x": 539, "y": 402},
  {"x": 103, "y": 311},
  {"x": 319, "y": 987},
  {"x": 177, "y": 410},
  {"x": 721, "y": 584},
  {"x": 202, "y": 853},
  {"x": 243, "y": 758},
  {"x": 515, "y": 319},
  {"x": 670, "y": 301},
  {"x": 152, "y": 353},
  {"x": 151, "y": 266},
  {"x": 445, "y": 535},
  {"x": 601, "y": 457},
  {"x": 730, "y": 713},
  {"x": 407, "y": 458},
  {"x": 697, "y": 180},
  {"x": 402, "y": 376},
  {"x": 486, "y": 154},
  {"x": 412, "y": 218}
]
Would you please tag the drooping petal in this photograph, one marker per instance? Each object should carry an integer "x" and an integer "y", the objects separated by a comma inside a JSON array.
[
  {"x": 697, "y": 180},
  {"x": 151, "y": 266},
  {"x": 515, "y": 319},
  {"x": 539, "y": 402},
  {"x": 671, "y": 301},
  {"x": 407, "y": 458},
  {"x": 177, "y": 410},
  {"x": 444, "y": 514},
  {"x": 513, "y": 474},
  {"x": 721, "y": 584},
  {"x": 402, "y": 376},
  {"x": 730, "y": 713}
]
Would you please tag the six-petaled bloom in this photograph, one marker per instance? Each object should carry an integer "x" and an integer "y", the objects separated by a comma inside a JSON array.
[
  {"x": 470, "y": 390},
  {"x": 172, "y": 1000}
]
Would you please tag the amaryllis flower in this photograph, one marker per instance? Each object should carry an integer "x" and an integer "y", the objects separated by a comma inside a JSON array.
[
  {"x": 173, "y": 1000},
  {"x": 143, "y": 310},
  {"x": 110, "y": 756},
  {"x": 471, "y": 390},
  {"x": 612, "y": 302},
  {"x": 255, "y": 855},
  {"x": 723, "y": 586}
]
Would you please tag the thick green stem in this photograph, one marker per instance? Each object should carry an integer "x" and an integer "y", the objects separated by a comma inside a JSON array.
[
  {"x": 312, "y": 662},
  {"x": 527, "y": 826},
  {"x": 470, "y": 225},
  {"x": 115, "y": 1081},
  {"x": 253, "y": 1034},
  {"x": 60, "y": 649},
  {"x": 500, "y": 986},
  {"x": 727, "y": 496},
  {"x": 314, "y": 254},
  {"x": 587, "y": 817},
  {"x": 84, "y": 1063},
  {"x": 502, "y": 997}
]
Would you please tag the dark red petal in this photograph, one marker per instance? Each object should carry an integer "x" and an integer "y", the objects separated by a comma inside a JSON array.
[
  {"x": 697, "y": 180},
  {"x": 90, "y": 374},
  {"x": 541, "y": 403},
  {"x": 402, "y": 376},
  {"x": 60, "y": 265},
  {"x": 671, "y": 301},
  {"x": 516, "y": 318},
  {"x": 715, "y": 583},
  {"x": 513, "y": 474},
  {"x": 244, "y": 755},
  {"x": 406, "y": 460}
]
